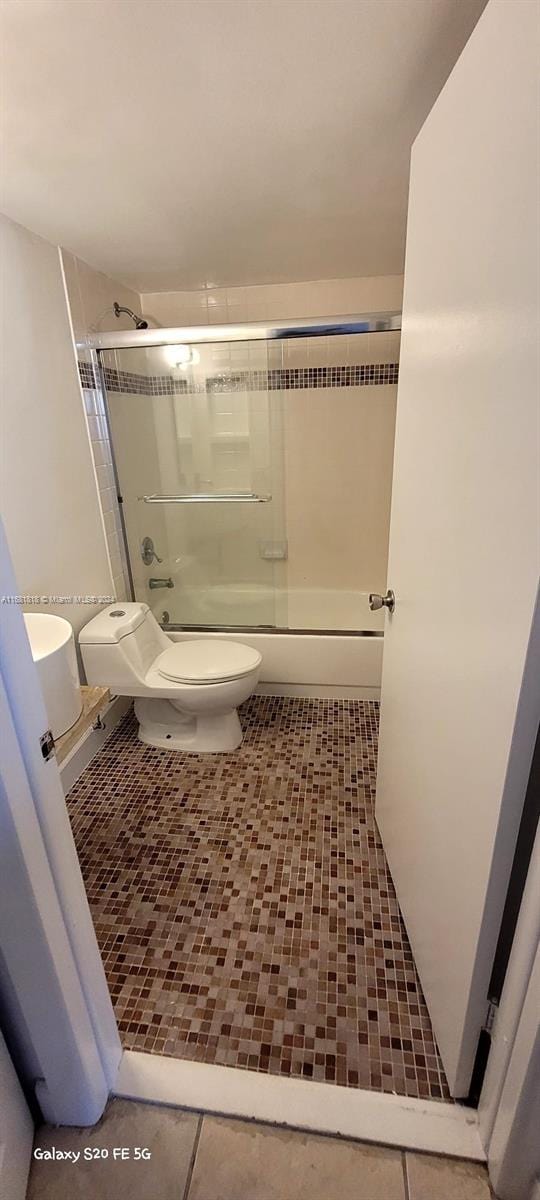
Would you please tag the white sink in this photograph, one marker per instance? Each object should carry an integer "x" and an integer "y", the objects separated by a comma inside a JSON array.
[{"x": 53, "y": 650}]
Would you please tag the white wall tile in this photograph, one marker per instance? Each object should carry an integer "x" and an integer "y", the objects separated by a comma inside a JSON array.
[
  {"x": 322, "y": 297},
  {"x": 120, "y": 588},
  {"x": 93, "y": 426}
]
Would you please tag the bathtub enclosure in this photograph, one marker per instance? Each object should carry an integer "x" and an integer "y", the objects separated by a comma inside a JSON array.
[{"x": 254, "y": 480}]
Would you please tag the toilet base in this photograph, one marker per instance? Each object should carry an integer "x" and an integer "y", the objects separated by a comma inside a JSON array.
[{"x": 163, "y": 725}]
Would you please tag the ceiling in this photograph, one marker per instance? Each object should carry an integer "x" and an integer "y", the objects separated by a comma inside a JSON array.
[{"x": 187, "y": 143}]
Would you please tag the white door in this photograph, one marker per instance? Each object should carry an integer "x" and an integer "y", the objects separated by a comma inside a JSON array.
[
  {"x": 56, "y": 997},
  {"x": 16, "y": 1131},
  {"x": 464, "y": 542}
]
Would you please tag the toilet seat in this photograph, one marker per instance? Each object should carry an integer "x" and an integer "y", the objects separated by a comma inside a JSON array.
[{"x": 207, "y": 661}]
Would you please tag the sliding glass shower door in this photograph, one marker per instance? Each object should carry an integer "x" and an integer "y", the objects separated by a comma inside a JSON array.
[
  {"x": 199, "y": 457},
  {"x": 256, "y": 477}
]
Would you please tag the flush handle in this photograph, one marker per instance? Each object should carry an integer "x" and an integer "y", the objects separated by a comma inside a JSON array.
[{"x": 388, "y": 601}]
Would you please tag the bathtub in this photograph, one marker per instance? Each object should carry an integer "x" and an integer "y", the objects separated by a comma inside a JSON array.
[{"x": 313, "y": 642}]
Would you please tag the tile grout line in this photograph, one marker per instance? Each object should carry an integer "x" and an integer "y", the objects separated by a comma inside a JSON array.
[
  {"x": 405, "y": 1175},
  {"x": 191, "y": 1167}
]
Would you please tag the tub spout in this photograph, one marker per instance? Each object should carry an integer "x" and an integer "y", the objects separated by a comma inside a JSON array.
[{"x": 160, "y": 583}]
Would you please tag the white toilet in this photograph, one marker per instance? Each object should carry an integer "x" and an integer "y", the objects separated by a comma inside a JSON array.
[{"x": 186, "y": 693}]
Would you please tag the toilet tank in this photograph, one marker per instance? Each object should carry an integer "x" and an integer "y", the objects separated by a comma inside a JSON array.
[{"x": 119, "y": 645}]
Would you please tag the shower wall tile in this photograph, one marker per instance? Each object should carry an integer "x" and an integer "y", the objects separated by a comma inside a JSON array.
[
  {"x": 110, "y": 523},
  {"x": 322, "y": 297},
  {"x": 105, "y": 476},
  {"x": 102, "y": 456},
  {"x": 338, "y": 479},
  {"x": 237, "y": 303},
  {"x": 217, "y": 306},
  {"x": 120, "y": 590},
  {"x": 280, "y": 376},
  {"x": 91, "y": 295},
  {"x": 93, "y": 426},
  {"x": 287, "y": 302}
]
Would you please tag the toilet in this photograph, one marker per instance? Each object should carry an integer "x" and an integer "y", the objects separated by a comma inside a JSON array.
[{"x": 186, "y": 693}]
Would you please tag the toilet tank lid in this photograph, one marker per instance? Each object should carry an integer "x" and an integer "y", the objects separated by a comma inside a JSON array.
[{"x": 113, "y": 623}]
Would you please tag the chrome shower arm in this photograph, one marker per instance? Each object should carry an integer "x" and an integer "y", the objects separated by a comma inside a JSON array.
[{"x": 139, "y": 322}]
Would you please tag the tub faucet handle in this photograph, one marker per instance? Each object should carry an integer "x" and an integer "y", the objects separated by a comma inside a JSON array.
[{"x": 148, "y": 553}]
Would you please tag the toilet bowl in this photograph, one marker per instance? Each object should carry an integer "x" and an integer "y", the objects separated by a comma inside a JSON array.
[{"x": 186, "y": 693}]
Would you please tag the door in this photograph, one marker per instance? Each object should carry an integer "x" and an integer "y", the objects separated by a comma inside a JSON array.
[
  {"x": 16, "y": 1131},
  {"x": 53, "y": 991},
  {"x": 198, "y": 450},
  {"x": 457, "y": 717}
]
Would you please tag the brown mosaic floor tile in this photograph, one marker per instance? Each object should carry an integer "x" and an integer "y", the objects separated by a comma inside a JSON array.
[{"x": 243, "y": 904}]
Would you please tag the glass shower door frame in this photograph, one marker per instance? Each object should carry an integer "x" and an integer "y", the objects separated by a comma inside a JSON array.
[{"x": 142, "y": 339}]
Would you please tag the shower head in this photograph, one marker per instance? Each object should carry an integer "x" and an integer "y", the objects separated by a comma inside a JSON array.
[{"x": 139, "y": 322}]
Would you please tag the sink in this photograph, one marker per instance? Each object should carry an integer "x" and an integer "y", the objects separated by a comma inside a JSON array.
[{"x": 53, "y": 650}]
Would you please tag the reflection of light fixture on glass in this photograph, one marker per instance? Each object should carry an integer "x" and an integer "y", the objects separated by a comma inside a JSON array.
[{"x": 182, "y": 357}]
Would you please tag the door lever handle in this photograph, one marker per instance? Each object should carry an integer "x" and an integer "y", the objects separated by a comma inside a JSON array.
[{"x": 388, "y": 601}]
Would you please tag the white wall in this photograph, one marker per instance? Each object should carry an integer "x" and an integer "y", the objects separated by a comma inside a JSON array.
[{"x": 47, "y": 483}]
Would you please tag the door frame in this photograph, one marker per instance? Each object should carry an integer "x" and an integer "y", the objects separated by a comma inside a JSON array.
[
  {"x": 510, "y": 1097},
  {"x": 60, "y": 1024},
  {"x": 16, "y": 1132},
  {"x": 513, "y": 1152}
]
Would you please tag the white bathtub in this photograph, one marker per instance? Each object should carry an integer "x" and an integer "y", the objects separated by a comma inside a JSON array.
[{"x": 300, "y": 661}]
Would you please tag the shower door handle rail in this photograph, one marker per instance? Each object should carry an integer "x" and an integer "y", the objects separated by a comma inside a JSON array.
[{"x": 208, "y": 498}]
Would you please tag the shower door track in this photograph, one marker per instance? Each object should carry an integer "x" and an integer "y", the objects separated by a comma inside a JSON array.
[
  {"x": 250, "y": 331},
  {"x": 171, "y": 627}
]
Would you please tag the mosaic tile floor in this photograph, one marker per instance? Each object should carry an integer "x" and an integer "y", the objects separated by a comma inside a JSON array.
[{"x": 243, "y": 904}]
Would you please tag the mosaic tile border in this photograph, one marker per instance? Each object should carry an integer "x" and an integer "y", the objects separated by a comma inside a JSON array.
[
  {"x": 243, "y": 903},
  {"x": 87, "y": 376},
  {"x": 130, "y": 381},
  {"x": 291, "y": 378},
  {"x": 282, "y": 379}
]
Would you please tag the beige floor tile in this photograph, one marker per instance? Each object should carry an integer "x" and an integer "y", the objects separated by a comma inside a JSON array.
[
  {"x": 432, "y": 1178},
  {"x": 168, "y": 1133},
  {"x": 237, "y": 1160}
]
